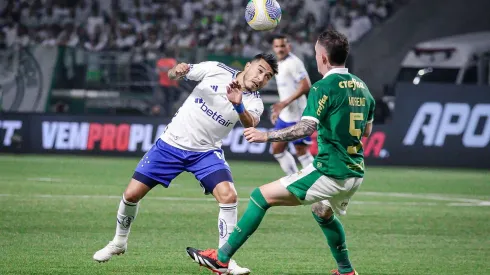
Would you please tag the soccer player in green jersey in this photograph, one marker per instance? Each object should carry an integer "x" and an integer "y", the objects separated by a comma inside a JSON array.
[{"x": 341, "y": 108}]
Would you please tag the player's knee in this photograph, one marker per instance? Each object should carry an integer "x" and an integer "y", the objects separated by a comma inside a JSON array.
[
  {"x": 132, "y": 196},
  {"x": 225, "y": 193},
  {"x": 301, "y": 150},
  {"x": 276, "y": 151},
  {"x": 277, "y": 148},
  {"x": 135, "y": 191},
  {"x": 228, "y": 197},
  {"x": 321, "y": 210}
]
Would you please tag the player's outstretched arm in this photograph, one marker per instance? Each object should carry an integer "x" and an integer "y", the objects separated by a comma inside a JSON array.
[{"x": 301, "y": 129}]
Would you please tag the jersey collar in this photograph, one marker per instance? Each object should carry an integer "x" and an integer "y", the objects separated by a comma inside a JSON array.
[{"x": 337, "y": 71}]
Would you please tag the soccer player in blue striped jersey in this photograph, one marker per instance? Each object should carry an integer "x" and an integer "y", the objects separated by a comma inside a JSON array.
[{"x": 192, "y": 143}]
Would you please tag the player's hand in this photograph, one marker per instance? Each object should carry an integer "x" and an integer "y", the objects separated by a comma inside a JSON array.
[
  {"x": 181, "y": 69},
  {"x": 277, "y": 108},
  {"x": 234, "y": 92},
  {"x": 254, "y": 135},
  {"x": 274, "y": 117}
]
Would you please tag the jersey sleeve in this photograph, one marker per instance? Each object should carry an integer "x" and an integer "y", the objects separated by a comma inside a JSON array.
[
  {"x": 255, "y": 107},
  {"x": 298, "y": 71},
  {"x": 198, "y": 71},
  {"x": 317, "y": 104}
]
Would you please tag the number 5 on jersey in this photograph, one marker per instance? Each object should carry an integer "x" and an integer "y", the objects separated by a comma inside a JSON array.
[{"x": 356, "y": 132}]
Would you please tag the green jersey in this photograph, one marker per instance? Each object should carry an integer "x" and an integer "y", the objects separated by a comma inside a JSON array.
[{"x": 341, "y": 105}]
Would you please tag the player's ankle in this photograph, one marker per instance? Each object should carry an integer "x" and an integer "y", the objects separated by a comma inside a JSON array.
[
  {"x": 346, "y": 271},
  {"x": 120, "y": 240},
  {"x": 222, "y": 263}
]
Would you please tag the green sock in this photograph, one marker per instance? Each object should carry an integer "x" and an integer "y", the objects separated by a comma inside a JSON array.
[
  {"x": 246, "y": 226},
  {"x": 334, "y": 231}
]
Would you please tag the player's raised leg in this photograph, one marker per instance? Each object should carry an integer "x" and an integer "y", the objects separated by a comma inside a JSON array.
[
  {"x": 285, "y": 159},
  {"x": 126, "y": 214},
  {"x": 261, "y": 199}
]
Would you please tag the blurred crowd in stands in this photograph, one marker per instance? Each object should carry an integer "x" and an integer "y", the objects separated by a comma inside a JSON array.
[{"x": 156, "y": 26}]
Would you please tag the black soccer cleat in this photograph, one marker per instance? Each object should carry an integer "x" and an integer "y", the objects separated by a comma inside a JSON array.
[{"x": 209, "y": 259}]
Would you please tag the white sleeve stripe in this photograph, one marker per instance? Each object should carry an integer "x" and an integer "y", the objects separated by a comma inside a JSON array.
[
  {"x": 370, "y": 121},
  {"x": 311, "y": 118}
]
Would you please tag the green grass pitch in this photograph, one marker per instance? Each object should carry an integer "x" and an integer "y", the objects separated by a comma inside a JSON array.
[{"x": 58, "y": 210}]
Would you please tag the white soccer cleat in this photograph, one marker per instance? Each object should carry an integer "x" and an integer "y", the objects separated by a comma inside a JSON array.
[
  {"x": 235, "y": 269},
  {"x": 106, "y": 253}
]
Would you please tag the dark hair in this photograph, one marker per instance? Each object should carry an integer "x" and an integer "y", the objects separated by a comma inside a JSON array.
[
  {"x": 336, "y": 44},
  {"x": 269, "y": 58},
  {"x": 278, "y": 36}
]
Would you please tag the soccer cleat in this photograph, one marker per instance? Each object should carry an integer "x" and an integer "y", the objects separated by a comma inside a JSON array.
[
  {"x": 106, "y": 253},
  {"x": 336, "y": 272},
  {"x": 209, "y": 259},
  {"x": 235, "y": 269}
]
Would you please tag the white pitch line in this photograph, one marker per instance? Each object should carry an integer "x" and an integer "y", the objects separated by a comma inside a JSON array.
[
  {"x": 436, "y": 197},
  {"x": 46, "y": 179},
  {"x": 48, "y": 196}
]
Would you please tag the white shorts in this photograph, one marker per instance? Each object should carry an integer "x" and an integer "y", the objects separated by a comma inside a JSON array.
[{"x": 310, "y": 186}]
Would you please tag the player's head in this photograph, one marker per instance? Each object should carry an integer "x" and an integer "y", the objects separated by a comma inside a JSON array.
[
  {"x": 280, "y": 46},
  {"x": 259, "y": 71},
  {"x": 332, "y": 49}
]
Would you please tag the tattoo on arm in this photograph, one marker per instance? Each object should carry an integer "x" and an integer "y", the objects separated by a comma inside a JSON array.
[{"x": 301, "y": 129}]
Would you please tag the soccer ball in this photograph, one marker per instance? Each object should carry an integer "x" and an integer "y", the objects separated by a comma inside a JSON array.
[{"x": 263, "y": 15}]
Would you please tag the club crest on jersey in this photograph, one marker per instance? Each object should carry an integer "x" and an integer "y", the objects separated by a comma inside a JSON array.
[
  {"x": 212, "y": 114},
  {"x": 214, "y": 87}
]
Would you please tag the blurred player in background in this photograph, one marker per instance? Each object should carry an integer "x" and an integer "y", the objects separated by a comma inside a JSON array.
[
  {"x": 293, "y": 84},
  {"x": 341, "y": 108},
  {"x": 192, "y": 143}
]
